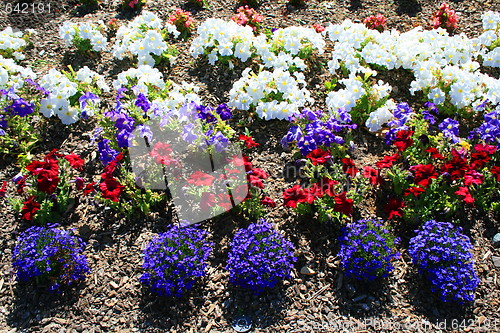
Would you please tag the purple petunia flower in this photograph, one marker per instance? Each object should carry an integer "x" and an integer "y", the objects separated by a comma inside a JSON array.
[
  {"x": 449, "y": 127},
  {"x": 219, "y": 141},
  {"x": 21, "y": 108},
  {"x": 88, "y": 97},
  {"x": 143, "y": 102},
  {"x": 224, "y": 112},
  {"x": 188, "y": 133},
  {"x": 106, "y": 153}
]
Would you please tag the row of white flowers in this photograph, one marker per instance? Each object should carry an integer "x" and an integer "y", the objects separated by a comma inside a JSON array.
[{"x": 446, "y": 68}]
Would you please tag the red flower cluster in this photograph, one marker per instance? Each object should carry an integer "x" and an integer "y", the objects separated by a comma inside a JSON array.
[
  {"x": 161, "y": 153},
  {"x": 296, "y": 195},
  {"x": 318, "y": 27},
  {"x": 319, "y": 156},
  {"x": 47, "y": 175},
  {"x": 461, "y": 170},
  {"x": 349, "y": 167},
  {"x": 110, "y": 186},
  {"x": 445, "y": 18},
  {"x": 247, "y": 16},
  {"x": 249, "y": 142},
  {"x": 403, "y": 140},
  {"x": 3, "y": 189},
  {"x": 376, "y": 22}
]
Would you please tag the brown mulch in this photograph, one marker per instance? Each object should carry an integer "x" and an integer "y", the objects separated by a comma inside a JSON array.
[{"x": 112, "y": 298}]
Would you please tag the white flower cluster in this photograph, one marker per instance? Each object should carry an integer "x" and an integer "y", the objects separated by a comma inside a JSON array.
[
  {"x": 13, "y": 75},
  {"x": 380, "y": 116},
  {"x": 12, "y": 43},
  {"x": 61, "y": 90},
  {"x": 72, "y": 33},
  {"x": 226, "y": 41},
  {"x": 491, "y": 34},
  {"x": 273, "y": 95},
  {"x": 87, "y": 76},
  {"x": 141, "y": 77},
  {"x": 143, "y": 37},
  {"x": 294, "y": 39},
  {"x": 436, "y": 59},
  {"x": 218, "y": 38},
  {"x": 174, "y": 97},
  {"x": 179, "y": 95}
]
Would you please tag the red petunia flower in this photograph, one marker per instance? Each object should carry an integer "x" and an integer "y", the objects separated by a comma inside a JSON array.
[
  {"x": 110, "y": 168},
  {"x": 89, "y": 188},
  {"x": 267, "y": 201},
  {"x": 48, "y": 166},
  {"x": 30, "y": 207},
  {"x": 479, "y": 160},
  {"x": 489, "y": 149},
  {"x": 435, "y": 153},
  {"x": 200, "y": 178},
  {"x": 21, "y": 184},
  {"x": 256, "y": 181},
  {"x": 349, "y": 167},
  {"x": 403, "y": 140},
  {"x": 241, "y": 193},
  {"x": 416, "y": 191},
  {"x": 423, "y": 174},
  {"x": 473, "y": 177},
  {"x": 296, "y": 195},
  {"x": 47, "y": 182},
  {"x": 207, "y": 200},
  {"x": 260, "y": 173},
  {"x": 456, "y": 167},
  {"x": 111, "y": 188},
  {"x": 319, "y": 156},
  {"x": 249, "y": 142},
  {"x": 342, "y": 204},
  {"x": 3, "y": 190},
  {"x": 224, "y": 201},
  {"x": 465, "y": 194},
  {"x": 329, "y": 186},
  {"x": 161, "y": 153},
  {"x": 496, "y": 172},
  {"x": 394, "y": 207},
  {"x": 387, "y": 161},
  {"x": 75, "y": 161},
  {"x": 373, "y": 175}
]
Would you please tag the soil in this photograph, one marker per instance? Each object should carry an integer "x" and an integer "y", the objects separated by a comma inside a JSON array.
[{"x": 112, "y": 298}]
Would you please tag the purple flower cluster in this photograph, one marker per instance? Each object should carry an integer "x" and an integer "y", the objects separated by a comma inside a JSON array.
[
  {"x": 50, "y": 255},
  {"x": 489, "y": 131},
  {"x": 174, "y": 260},
  {"x": 207, "y": 112},
  {"x": 106, "y": 153},
  {"x": 430, "y": 112},
  {"x": 260, "y": 257},
  {"x": 16, "y": 106},
  {"x": 443, "y": 254},
  {"x": 143, "y": 103},
  {"x": 367, "y": 250},
  {"x": 402, "y": 113},
  {"x": 125, "y": 125},
  {"x": 316, "y": 129}
]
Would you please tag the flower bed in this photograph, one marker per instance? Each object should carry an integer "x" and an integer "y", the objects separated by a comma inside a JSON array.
[{"x": 310, "y": 97}]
